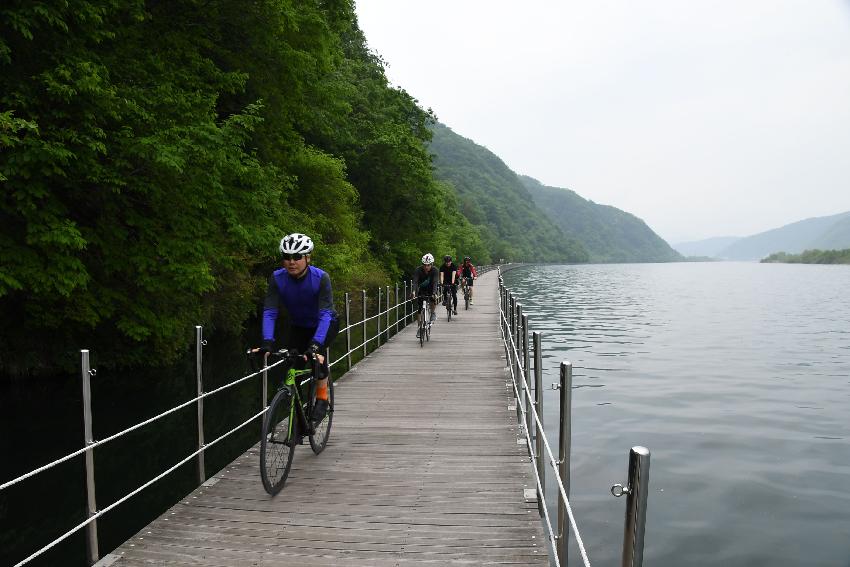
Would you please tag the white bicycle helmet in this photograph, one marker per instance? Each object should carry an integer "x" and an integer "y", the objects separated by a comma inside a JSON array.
[
  {"x": 296, "y": 243},
  {"x": 428, "y": 259}
]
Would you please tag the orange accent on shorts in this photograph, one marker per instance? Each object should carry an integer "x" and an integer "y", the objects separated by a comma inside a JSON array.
[{"x": 322, "y": 392}]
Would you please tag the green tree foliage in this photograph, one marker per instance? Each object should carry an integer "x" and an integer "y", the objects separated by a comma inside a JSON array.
[
  {"x": 811, "y": 257},
  {"x": 129, "y": 205},
  {"x": 153, "y": 153},
  {"x": 494, "y": 201}
]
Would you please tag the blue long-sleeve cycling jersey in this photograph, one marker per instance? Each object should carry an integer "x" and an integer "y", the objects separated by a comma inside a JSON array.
[{"x": 308, "y": 301}]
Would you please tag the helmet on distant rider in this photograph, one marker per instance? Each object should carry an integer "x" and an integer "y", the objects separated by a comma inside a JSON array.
[
  {"x": 428, "y": 259},
  {"x": 296, "y": 243},
  {"x": 467, "y": 259},
  {"x": 447, "y": 258}
]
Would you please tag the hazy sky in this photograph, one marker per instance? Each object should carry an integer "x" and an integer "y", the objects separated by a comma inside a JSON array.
[{"x": 709, "y": 118}]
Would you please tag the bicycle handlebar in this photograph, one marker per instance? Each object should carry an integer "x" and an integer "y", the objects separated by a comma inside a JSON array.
[{"x": 283, "y": 353}]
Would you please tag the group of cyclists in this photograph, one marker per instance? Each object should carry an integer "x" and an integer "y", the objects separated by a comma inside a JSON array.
[
  {"x": 304, "y": 291},
  {"x": 427, "y": 280}
]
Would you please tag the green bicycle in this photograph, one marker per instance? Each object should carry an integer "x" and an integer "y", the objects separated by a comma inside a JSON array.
[{"x": 287, "y": 421}]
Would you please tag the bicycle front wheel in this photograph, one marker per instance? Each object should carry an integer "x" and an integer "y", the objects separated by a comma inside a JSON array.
[
  {"x": 277, "y": 445},
  {"x": 322, "y": 429},
  {"x": 422, "y": 324}
]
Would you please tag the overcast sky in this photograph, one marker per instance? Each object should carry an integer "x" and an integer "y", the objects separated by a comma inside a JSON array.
[{"x": 710, "y": 118}]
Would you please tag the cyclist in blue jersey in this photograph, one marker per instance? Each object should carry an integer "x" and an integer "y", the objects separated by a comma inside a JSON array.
[{"x": 311, "y": 325}]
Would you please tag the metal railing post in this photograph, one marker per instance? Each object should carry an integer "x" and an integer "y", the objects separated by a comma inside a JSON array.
[
  {"x": 387, "y": 326},
  {"x": 566, "y": 387},
  {"x": 519, "y": 368},
  {"x": 514, "y": 355},
  {"x": 505, "y": 314},
  {"x": 508, "y": 326},
  {"x": 91, "y": 501},
  {"x": 529, "y": 419},
  {"x": 509, "y": 312},
  {"x": 348, "y": 328},
  {"x": 637, "y": 490},
  {"x": 396, "y": 308},
  {"x": 538, "y": 403},
  {"x": 265, "y": 382},
  {"x": 199, "y": 343},
  {"x": 378, "y": 320},
  {"x": 364, "y": 322}
]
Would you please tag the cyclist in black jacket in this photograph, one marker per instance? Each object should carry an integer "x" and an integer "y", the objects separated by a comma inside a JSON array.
[
  {"x": 448, "y": 277},
  {"x": 425, "y": 280}
]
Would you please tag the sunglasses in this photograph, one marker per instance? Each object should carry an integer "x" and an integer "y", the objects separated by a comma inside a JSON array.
[{"x": 293, "y": 256}]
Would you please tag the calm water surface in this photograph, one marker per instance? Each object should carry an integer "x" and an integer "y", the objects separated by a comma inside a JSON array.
[{"x": 735, "y": 375}]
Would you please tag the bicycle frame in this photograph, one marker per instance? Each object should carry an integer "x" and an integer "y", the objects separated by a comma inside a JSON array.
[
  {"x": 424, "y": 319},
  {"x": 292, "y": 384},
  {"x": 447, "y": 299}
]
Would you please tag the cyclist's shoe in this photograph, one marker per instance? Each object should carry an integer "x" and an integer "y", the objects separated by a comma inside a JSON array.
[
  {"x": 454, "y": 311},
  {"x": 418, "y": 331},
  {"x": 433, "y": 316},
  {"x": 320, "y": 410}
]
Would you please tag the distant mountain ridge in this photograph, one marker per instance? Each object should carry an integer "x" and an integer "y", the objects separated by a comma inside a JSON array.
[
  {"x": 824, "y": 233},
  {"x": 710, "y": 247},
  {"x": 521, "y": 218},
  {"x": 608, "y": 233}
]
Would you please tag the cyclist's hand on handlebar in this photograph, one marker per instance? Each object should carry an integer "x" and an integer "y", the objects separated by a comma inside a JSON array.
[
  {"x": 313, "y": 352},
  {"x": 266, "y": 348}
]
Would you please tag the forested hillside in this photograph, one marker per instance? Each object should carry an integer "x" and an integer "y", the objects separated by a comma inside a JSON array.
[
  {"x": 152, "y": 154},
  {"x": 496, "y": 203},
  {"x": 608, "y": 233},
  {"x": 811, "y": 257}
]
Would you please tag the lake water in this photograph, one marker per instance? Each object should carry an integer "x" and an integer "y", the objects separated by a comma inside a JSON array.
[{"x": 735, "y": 375}]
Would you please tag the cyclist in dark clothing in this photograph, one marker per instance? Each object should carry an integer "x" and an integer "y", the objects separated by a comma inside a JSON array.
[
  {"x": 425, "y": 280},
  {"x": 448, "y": 277},
  {"x": 467, "y": 271},
  {"x": 311, "y": 325}
]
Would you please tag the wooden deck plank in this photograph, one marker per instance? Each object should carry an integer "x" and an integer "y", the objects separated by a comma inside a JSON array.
[{"x": 422, "y": 468}]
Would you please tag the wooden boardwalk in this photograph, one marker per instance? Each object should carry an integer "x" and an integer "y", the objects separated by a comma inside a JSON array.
[{"x": 422, "y": 467}]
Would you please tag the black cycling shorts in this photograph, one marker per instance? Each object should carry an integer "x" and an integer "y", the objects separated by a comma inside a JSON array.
[{"x": 299, "y": 339}]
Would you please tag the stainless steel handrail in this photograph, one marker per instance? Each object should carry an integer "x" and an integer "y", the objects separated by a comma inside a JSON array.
[
  {"x": 517, "y": 370},
  {"x": 510, "y": 315}
]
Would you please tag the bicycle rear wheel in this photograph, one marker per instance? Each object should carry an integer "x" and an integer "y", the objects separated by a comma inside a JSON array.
[
  {"x": 276, "y": 445},
  {"x": 466, "y": 298},
  {"x": 322, "y": 430}
]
